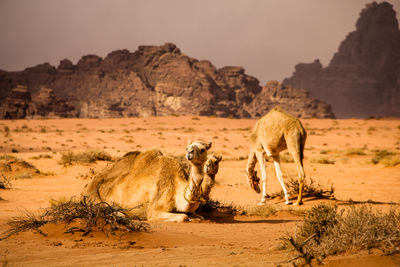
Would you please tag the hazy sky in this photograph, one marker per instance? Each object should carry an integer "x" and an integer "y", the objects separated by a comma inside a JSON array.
[{"x": 266, "y": 37}]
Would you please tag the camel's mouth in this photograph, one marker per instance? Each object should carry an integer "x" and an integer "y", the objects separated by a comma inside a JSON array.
[
  {"x": 254, "y": 182},
  {"x": 189, "y": 156},
  {"x": 256, "y": 187}
]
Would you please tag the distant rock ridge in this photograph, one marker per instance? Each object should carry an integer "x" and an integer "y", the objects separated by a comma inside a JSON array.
[
  {"x": 152, "y": 81},
  {"x": 19, "y": 104},
  {"x": 363, "y": 77}
]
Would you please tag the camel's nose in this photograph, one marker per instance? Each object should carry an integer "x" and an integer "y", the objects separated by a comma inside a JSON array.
[
  {"x": 189, "y": 156},
  {"x": 207, "y": 169}
]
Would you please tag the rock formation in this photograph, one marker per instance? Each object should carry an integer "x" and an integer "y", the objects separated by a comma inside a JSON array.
[
  {"x": 363, "y": 77},
  {"x": 295, "y": 100},
  {"x": 20, "y": 104},
  {"x": 16, "y": 105},
  {"x": 152, "y": 81}
]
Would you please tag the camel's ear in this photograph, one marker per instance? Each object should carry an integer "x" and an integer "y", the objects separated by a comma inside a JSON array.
[
  {"x": 208, "y": 145},
  {"x": 219, "y": 158}
]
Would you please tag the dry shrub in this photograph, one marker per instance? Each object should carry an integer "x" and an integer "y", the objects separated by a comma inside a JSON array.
[
  {"x": 390, "y": 161},
  {"x": 213, "y": 206},
  {"x": 355, "y": 151},
  {"x": 385, "y": 157},
  {"x": 16, "y": 167},
  {"x": 326, "y": 231},
  {"x": 310, "y": 188},
  {"x": 286, "y": 157},
  {"x": 91, "y": 216},
  {"x": 260, "y": 210},
  {"x": 69, "y": 157},
  {"x": 42, "y": 156},
  {"x": 323, "y": 161},
  {"x": 4, "y": 182}
]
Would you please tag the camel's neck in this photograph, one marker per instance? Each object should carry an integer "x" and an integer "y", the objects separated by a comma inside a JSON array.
[{"x": 196, "y": 177}]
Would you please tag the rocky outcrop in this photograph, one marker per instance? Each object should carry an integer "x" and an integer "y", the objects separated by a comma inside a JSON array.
[
  {"x": 363, "y": 77},
  {"x": 152, "y": 81},
  {"x": 16, "y": 105},
  {"x": 46, "y": 104},
  {"x": 297, "y": 101},
  {"x": 20, "y": 104}
]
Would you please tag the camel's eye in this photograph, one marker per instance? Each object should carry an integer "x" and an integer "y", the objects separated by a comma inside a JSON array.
[{"x": 203, "y": 149}]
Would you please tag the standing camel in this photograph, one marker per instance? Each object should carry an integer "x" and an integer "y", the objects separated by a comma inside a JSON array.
[{"x": 273, "y": 133}]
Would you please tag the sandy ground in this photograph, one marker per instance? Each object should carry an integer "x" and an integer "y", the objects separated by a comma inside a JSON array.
[{"x": 231, "y": 241}]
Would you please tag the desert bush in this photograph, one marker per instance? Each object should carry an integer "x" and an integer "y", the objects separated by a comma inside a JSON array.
[
  {"x": 310, "y": 188},
  {"x": 7, "y": 157},
  {"x": 69, "y": 157},
  {"x": 91, "y": 216},
  {"x": 381, "y": 155},
  {"x": 4, "y": 182},
  {"x": 24, "y": 175},
  {"x": 42, "y": 156},
  {"x": 286, "y": 157},
  {"x": 260, "y": 210},
  {"x": 327, "y": 231},
  {"x": 355, "y": 151},
  {"x": 390, "y": 161},
  {"x": 18, "y": 167},
  {"x": 212, "y": 206},
  {"x": 323, "y": 161}
]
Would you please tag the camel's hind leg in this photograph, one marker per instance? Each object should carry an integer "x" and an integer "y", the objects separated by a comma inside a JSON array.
[
  {"x": 277, "y": 164},
  {"x": 296, "y": 147}
]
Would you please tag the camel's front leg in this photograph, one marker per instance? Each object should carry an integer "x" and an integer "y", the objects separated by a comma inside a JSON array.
[
  {"x": 261, "y": 161},
  {"x": 195, "y": 216},
  {"x": 163, "y": 216},
  {"x": 277, "y": 164}
]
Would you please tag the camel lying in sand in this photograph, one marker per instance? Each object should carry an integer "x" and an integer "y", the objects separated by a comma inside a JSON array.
[
  {"x": 156, "y": 180},
  {"x": 273, "y": 133}
]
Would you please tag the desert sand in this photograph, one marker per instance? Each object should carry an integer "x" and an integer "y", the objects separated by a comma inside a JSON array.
[{"x": 238, "y": 240}]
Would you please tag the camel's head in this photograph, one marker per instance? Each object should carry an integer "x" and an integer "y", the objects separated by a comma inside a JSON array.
[
  {"x": 211, "y": 168},
  {"x": 196, "y": 152},
  {"x": 253, "y": 181},
  {"x": 212, "y": 164}
]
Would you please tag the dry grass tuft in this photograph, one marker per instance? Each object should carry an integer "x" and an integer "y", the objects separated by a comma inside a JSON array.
[
  {"x": 355, "y": 151},
  {"x": 260, "y": 210},
  {"x": 69, "y": 157},
  {"x": 16, "y": 167},
  {"x": 326, "y": 231},
  {"x": 4, "y": 182},
  {"x": 323, "y": 161},
  {"x": 91, "y": 216},
  {"x": 213, "y": 206},
  {"x": 310, "y": 189},
  {"x": 387, "y": 158}
]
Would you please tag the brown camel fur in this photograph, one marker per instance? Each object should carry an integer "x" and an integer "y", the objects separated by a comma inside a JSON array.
[{"x": 157, "y": 181}]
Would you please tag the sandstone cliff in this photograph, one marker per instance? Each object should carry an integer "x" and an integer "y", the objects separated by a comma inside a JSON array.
[
  {"x": 363, "y": 77},
  {"x": 152, "y": 81}
]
